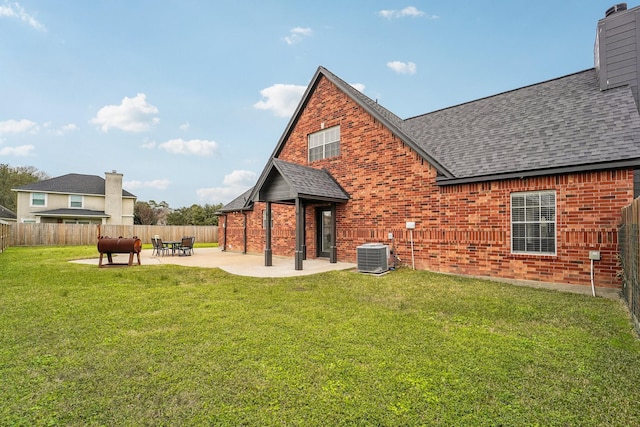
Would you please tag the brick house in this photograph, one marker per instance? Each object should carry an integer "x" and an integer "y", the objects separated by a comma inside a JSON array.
[{"x": 519, "y": 185}]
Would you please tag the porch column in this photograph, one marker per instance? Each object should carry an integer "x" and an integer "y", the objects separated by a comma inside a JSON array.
[
  {"x": 333, "y": 252},
  {"x": 304, "y": 231},
  {"x": 299, "y": 234},
  {"x": 268, "y": 254}
]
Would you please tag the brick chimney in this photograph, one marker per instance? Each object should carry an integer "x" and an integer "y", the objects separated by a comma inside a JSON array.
[
  {"x": 617, "y": 48},
  {"x": 113, "y": 197}
]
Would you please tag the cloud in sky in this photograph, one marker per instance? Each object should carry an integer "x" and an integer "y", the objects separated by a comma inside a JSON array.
[
  {"x": 358, "y": 86},
  {"x": 14, "y": 10},
  {"x": 402, "y": 67},
  {"x": 63, "y": 130},
  {"x": 281, "y": 99},
  {"x": 17, "y": 126},
  {"x": 158, "y": 184},
  {"x": 20, "y": 151},
  {"x": 297, "y": 34},
  {"x": 235, "y": 183},
  {"x": 200, "y": 147},
  {"x": 409, "y": 11},
  {"x": 132, "y": 115}
]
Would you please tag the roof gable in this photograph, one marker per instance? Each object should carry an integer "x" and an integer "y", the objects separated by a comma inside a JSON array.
[
  {"x": 285, "y": 181},
  {"x": 394, "y": 123},
  {"x": 72, "y": 183}
]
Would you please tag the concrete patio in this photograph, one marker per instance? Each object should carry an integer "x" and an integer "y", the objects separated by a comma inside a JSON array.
[{"x": 234, "y": 263}]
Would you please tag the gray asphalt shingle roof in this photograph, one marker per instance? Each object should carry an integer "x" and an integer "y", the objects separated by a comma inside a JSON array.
[
  {"x": 72, "y": 183},
  {"x": 72, "y": 212},
  {"x": 241, "y": 202},
  {"x": 559, "y": 123},
  {"x": 6, "y": 213},
  {"x": 308, "y": 182}
]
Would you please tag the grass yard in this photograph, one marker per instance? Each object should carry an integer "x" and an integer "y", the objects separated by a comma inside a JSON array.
[{"x": 170, "y": 345}]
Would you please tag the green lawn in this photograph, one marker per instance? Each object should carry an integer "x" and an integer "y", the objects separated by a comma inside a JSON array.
[{"x": 170, "y": 345}]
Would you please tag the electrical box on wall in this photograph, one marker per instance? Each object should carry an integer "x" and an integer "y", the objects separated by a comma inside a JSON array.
[
  {"x": 594, "y": 255},
  {"x": 411, "y": 225}
]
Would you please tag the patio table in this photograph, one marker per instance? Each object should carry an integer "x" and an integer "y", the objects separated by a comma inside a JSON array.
[{"x": 173, "y": 245}]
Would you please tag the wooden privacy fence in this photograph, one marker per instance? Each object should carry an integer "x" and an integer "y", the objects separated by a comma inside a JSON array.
[
  {"x": 86, "y": 234},
  {"x": 629, "y": 244},
  {"x": 5, "y": 236}
]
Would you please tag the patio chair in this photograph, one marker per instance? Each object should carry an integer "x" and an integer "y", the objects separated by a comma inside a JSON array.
[
  {"x": 186, "y": 246},
  {"x": 158, "y": 247}
]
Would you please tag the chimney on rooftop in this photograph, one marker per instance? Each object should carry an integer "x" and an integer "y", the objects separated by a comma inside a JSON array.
[
  {"x": 616, "y": 50},
  {"x": 617, "y": 8}
]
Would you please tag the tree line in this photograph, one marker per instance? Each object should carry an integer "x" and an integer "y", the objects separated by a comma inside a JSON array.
[{"x": 154, "y": 213}]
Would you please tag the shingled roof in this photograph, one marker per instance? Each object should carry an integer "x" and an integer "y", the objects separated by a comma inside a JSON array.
[
  {"x": 6, "y": 213},
  {"x": 72, "y": 183},
  {"x": 562, "y": 123}
]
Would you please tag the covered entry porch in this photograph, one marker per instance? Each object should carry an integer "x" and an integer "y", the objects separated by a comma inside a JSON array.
[{"x": 301, "y": 186}]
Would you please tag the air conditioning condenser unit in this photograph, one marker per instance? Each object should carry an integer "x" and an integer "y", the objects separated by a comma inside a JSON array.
[{"x": 372, "y": 258}]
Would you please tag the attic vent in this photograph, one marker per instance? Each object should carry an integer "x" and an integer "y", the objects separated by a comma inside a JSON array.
[
  {"x": 372, "y": 258},
  {"x": 617, "y": 8}
]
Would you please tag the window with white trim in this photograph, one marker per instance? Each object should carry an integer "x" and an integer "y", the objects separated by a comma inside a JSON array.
[
  {"x": 533, "y": 223},
  {"x": 325, "y": 143},
  {"x": 75, "y": 201},
  {"x": 38, "y": 199}
]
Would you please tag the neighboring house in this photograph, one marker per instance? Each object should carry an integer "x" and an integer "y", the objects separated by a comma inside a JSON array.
[
  {"x": 76, "y": 198},
  {"x": 521, "y": 185},
  {"x": 6, "y": 215}
]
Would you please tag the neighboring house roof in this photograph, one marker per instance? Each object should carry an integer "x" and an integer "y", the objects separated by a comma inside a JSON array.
[
  {"x": 75, "y": 213},
  {"x": 72, "y": 183},
  {"x": 6, "y": 213}
]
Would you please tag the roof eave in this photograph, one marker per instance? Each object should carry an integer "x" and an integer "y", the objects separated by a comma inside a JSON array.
[{"x": 618, "y": 164}]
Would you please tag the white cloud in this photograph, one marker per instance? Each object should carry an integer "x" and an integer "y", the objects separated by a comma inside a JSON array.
[
  {"x": 200, "y": 147},
  {"x": 185, "y": 126},
  {"x": 16, "y": 11},
  {"x": 410, "y": 11},
  {"x": 281, "y": 99},
  {"x": 297, "y": 34},
  {"x": 148, "y": 144},
  {"x": 22, "y": 150},
  {"x": 17, "y": 126},
  {"x": 358, "y": 86},
  {"x": 132, "y": 115},
  {"x": 64, "y": 129},
  {"x": 235, "y": 183},
  {"x": 157, "y": 184},
  {"x": 402, "y": 67}
]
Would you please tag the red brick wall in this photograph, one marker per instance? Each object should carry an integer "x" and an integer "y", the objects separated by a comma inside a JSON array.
[{"x": 461, "y": 229}]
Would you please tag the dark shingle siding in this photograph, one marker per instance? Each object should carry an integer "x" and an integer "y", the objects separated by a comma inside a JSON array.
[{"x": 559, "y": 123}]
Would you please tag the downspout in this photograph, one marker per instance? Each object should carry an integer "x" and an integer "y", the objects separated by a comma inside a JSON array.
[{"x": 224, "y": 232}]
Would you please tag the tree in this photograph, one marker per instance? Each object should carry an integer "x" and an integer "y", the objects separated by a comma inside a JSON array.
[
  {"x": 195, "y": 215},
  {"x": 144, "y": 214},
  {"x": 13, "y": 177},
  {"x": 150, "y": 213}
]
